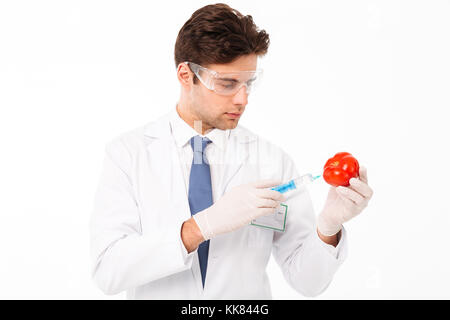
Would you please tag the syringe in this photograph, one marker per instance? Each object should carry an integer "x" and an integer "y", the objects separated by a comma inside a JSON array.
[{"x": 295, "y": 183}]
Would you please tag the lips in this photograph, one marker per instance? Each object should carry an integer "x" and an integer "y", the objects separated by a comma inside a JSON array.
[{"x": 234, "y": 115}]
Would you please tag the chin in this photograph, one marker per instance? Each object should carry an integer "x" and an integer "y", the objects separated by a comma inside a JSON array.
[
  {"x": 229, "y": 124},
  {"x": 232, "y": 124}
]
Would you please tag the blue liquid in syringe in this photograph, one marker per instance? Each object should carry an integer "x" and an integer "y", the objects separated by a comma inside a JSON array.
[
  {"x": 285, "y": 187},
  {"x": 292, "y": 185}
]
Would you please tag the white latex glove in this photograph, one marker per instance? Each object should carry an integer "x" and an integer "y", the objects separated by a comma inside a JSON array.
[
  {"x": 238, "y": 207},
  {"x": 344, "y": 203}
]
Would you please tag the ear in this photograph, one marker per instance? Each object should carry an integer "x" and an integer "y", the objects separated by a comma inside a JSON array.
[{"x": 184, "y": 75}]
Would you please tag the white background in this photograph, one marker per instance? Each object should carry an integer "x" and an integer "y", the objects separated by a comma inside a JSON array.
[{"x": 368, "y": 77}]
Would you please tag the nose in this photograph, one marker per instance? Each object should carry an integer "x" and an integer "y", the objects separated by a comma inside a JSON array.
[{"x": 241, "y": 97}]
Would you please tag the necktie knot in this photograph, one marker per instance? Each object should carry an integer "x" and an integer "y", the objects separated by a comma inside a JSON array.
[{"x": 199, "y": 144}]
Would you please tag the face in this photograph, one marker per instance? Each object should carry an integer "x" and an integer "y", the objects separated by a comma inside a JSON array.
[{"x": 214, "y": 110}]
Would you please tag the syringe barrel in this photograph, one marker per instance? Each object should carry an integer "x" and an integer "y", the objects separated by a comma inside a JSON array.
[{"x": 294, "y": 183}]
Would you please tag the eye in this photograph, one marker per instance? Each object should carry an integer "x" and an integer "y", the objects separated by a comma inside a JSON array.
[{"x": 226, "y": 84}]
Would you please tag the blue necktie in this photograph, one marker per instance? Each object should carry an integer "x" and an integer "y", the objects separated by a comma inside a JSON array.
[{"x": 200, "y": 192}]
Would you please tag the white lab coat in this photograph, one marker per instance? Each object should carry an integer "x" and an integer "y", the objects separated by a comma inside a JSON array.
[{"x": 141, "y": 203}]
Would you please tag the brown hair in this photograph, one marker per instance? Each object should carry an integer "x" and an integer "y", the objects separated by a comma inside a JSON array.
[{"x": 219, "y": 34}]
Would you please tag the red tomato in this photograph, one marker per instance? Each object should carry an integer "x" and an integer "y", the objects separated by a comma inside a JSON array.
[{"x": 339, "y": 169}]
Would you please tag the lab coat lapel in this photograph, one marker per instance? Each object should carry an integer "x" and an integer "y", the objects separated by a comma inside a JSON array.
[
  {"x": 166, "y": 162},
  {"x": 240, "y": 145}
]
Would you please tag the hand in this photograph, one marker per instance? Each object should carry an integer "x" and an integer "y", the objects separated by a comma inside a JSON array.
[
  {"x": 344, "y": 203},
  {"x": 238, "y": 207}
]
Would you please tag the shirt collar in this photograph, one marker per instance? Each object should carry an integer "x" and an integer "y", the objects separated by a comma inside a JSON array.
[{"x": 182, "y": 132}]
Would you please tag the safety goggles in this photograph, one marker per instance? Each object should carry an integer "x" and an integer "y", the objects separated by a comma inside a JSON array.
[{"x": 226, "y": 83}]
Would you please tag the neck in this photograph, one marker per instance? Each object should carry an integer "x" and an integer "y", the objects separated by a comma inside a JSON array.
[{"x": 192, "y": 120}]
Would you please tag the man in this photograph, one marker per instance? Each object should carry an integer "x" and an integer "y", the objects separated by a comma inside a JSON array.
[{"x": 173, "y": 210}]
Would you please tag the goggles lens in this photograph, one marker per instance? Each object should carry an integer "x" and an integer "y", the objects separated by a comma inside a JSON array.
[{"x": 226, "y": 83}]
